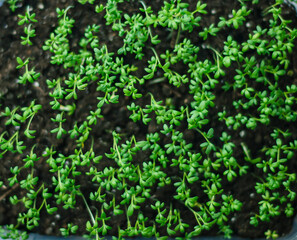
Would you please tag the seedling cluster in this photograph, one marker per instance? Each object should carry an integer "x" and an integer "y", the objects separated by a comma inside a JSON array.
[{"x": 255, "y": 72}]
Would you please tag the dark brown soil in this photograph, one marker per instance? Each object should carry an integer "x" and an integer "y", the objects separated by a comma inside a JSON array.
[{"x": 116, "y": 116}]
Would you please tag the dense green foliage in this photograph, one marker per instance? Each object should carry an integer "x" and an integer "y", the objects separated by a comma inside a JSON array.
[{"x": 261, "y": 61}]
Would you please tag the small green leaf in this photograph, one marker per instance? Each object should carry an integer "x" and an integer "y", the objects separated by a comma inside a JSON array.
[
  {"x": 227, "y": 61},
  {"x": 130, "y": 210}
]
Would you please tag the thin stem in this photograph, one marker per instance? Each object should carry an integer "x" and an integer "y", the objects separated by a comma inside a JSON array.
[{"x": 88, "y": 208}]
